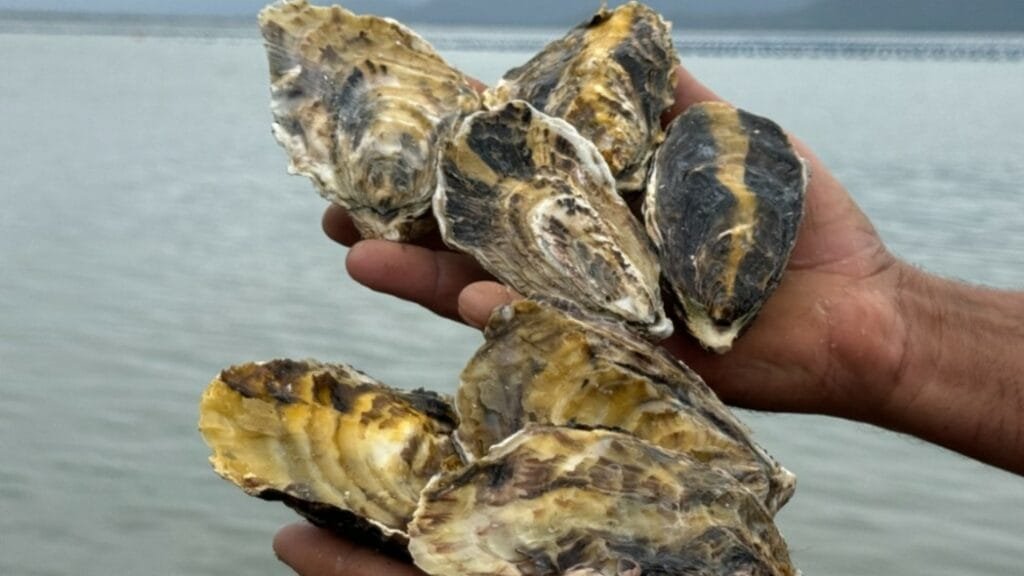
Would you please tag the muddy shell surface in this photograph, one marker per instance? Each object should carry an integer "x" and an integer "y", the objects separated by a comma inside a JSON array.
[
  {"x": 362, "y": 105},
  {"x": 723, "y": 205},
  {"x": 539, "y": 366},
  {"x": 611, "y": 77},
  {"x": 556, "y": 500},
  {"x": 534, "y": 203},
  {"x": 343, "y": 450}
]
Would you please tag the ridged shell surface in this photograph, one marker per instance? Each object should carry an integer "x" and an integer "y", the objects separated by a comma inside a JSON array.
[
  {"x": 723, "y": 205},
  {"x": 611, "y": 77},
  {"x": 535, "y": 204},
  {"x": 552, "y": 501},
  {"x": 539, "y": 366},
  {"x": 337, "y": 446},
  {"x": 362, "y": 105}
]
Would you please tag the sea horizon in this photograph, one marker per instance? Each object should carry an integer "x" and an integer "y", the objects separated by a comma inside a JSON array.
[{"x": 746, "y": 43}]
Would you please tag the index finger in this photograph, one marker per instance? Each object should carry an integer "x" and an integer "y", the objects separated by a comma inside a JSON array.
[
  {"x": 312, "y": 551},
  {"x": 688, "y": 91},
  {"x": 338, "y": 226}
]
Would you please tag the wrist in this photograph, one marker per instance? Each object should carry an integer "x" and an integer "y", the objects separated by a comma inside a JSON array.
[
  {"x": 919, "y": 306},
  {"x": 959, "y": 381}
]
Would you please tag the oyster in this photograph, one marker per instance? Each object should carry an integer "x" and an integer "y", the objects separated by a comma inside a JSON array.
[
  {"x": 611, "y": 77},
  {"x": 535, "y": 204},
  {"x": 592, "y": 502},
  {"x": 340, "y": 448},
  {"x": 591, "y": 451},
  {"x": 723, "y": 205},
  {"x": 541, "y": 366},
  {"x": 362, "y": 104}
]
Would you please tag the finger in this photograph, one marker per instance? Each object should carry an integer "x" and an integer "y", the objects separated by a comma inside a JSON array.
[
  {"x": 478, "y": 300},
  {"x": 430, "y": 278},
  {"x": 476, "y": 84},
  {"x": 312, "y": 551},
  {"x": 338, "y": 226},
  {"x": 688, "y": 91}
]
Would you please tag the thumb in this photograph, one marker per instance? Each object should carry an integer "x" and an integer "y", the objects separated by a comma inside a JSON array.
[{"x": 479, "y": 299}]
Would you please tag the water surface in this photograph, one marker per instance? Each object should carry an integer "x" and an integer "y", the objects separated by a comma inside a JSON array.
[{"x": 149, "y": 236}]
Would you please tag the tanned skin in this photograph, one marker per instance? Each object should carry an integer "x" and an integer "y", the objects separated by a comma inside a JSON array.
[{"x": 851, "y": 332}]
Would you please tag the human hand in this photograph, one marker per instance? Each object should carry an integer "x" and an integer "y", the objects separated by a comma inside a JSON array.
[{"x": 831, "y": 326}]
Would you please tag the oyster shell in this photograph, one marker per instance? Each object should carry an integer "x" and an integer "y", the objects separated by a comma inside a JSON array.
[
  {"x": 361, "y": 104},
  {"x": 723, "y": 205},
  {"x": 541, "y": 366},
  {"x": 366, "y": 109},
  {"x": 592, "y": 502},
  {"x": 535, "y": 204},
  {"x": 611, "y": 77},
  {"x": 343, "y": 450}
]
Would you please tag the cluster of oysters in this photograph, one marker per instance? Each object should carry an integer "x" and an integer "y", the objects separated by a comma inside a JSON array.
[{"x": 575, "y": 444}]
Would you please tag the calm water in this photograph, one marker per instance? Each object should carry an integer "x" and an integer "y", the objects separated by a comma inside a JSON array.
[{"x": 149, "y": 236}]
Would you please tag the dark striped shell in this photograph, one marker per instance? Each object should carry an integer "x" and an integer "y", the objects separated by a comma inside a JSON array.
[{"x": 723, "y": 206}]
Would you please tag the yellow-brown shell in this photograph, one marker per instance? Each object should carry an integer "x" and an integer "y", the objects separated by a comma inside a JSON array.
[
  {"x": 342, "y": 449},
  {"x": 723, "y": 205},
  {"x": 539, "y": 366},
  {"x": 534, "y": 203},
  {"x": 362, "y": 105},
  {"x": 553, "y": 500},
  {"x": 611, "y": 77}
]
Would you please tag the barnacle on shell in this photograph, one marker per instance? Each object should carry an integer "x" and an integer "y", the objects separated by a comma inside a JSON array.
[
  {"x": 539, "y": 366},
  {"x": 340, "y": 448},
  {"x": 723, "y": 205},
  {"x": 556, "y": 500},
  {"x": 535, "y": 204},
  {"x": 611, "y": 77},
  {"x": 362, "y": 105}
]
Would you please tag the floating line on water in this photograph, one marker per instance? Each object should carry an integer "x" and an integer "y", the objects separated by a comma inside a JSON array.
[{"x": 704, "y": 43}]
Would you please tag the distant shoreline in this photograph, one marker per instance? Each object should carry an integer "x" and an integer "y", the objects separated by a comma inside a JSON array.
[
  {"x": 850, "y": 44},
  {"x": 777, "y": 22}
]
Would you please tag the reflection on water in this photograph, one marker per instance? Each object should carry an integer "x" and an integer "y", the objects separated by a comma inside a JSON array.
[{"x": 150, "y": 236}]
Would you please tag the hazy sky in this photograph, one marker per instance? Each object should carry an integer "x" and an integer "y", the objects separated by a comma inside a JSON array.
[{"x": 142, "y": 6}]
